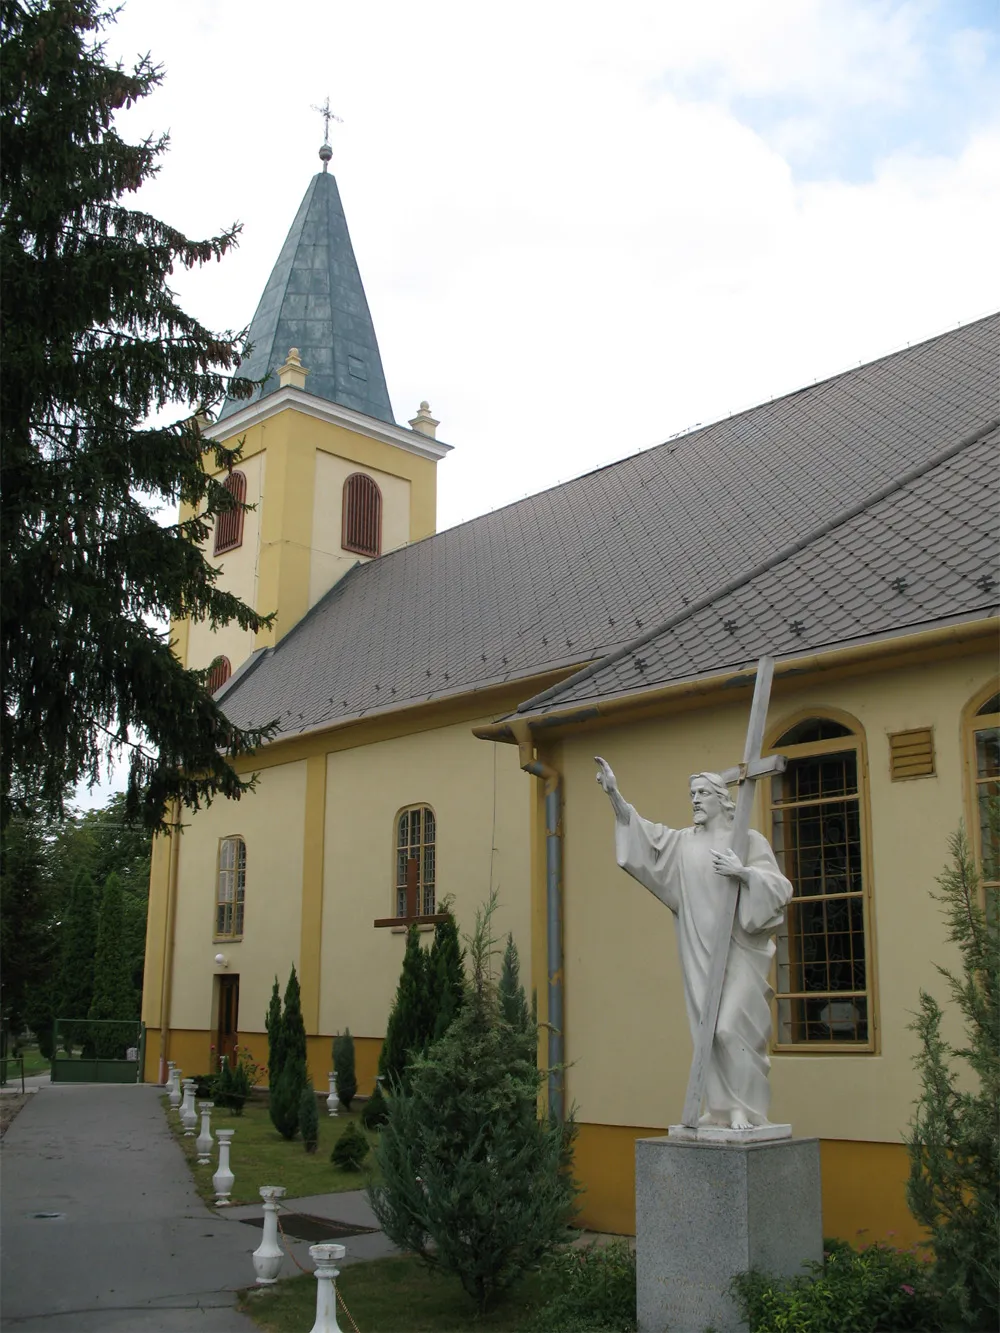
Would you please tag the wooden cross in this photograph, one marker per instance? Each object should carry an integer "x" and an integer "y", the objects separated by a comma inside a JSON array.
[{"x": 746, "y": 774}]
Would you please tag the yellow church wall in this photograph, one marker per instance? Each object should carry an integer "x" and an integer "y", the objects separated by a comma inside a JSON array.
[
  {"x": 467, "y": 784},
  {"x": 330, "y": 562},
  {"x": 240, "y": 574},
  {"x": 624, "y": 996},
  {"x": 270, "y": 820}
]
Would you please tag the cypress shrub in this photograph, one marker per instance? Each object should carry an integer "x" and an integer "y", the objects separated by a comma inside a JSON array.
[
  {"x": 309, "y": 1118},
  {"x": 513, "y": 1003},
  {"x": 272, "y": 1022},
  {"x": 344, "y": 1077},
  {"x": 290, "y": 1047},
  {"x": 473, "y": 1181},
  {"x": 375, "y": 1111},
  {"x": 286, "y": 1096},
  {"x": 446, "y": 974},
  {"x": 114, "y": 994},
  {"x": 411, "y": 1020},
  {"x": 350, "y": 1150}
]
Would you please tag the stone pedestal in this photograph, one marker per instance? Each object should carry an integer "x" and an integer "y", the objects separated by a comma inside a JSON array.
[{"x": 707, "y": 1210}]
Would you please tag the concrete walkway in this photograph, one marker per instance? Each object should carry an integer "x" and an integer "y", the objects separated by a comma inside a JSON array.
[{"x": 131, "y": 1246}]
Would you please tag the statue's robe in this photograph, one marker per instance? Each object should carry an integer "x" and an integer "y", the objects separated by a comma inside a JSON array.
[{"x": 676, "y": 865}]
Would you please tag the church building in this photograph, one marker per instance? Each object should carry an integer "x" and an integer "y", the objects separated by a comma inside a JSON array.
[{"x": 439, "y": 698}]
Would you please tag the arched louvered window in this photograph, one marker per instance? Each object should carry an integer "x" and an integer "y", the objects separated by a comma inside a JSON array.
[
  {"x": 229, "y": 526},
  {"x": 362, "y": 515},
  {"x": 219, "y": 674}
]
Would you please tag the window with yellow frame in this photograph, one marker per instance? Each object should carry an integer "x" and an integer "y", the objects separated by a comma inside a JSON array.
[
  {"x": 818, "y": 820},
  {"x": 983, "y": 751},
  {"x": 230, "y": 890}
]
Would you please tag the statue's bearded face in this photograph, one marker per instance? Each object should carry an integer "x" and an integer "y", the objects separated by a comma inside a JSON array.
[{"x": 704, "y": 801}]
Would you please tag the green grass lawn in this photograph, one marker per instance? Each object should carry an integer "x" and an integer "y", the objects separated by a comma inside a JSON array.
[
  {"x": 392, "y": 1296},
  {"x": 260, "y": 1156},
  {"x": 34, "y": 1063}
]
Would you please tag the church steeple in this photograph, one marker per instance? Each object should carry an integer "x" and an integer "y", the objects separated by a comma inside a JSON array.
[{"x": 314, "y": 300}]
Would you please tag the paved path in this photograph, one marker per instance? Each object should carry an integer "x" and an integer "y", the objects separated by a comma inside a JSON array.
[{"x": 131, "y": 1247}]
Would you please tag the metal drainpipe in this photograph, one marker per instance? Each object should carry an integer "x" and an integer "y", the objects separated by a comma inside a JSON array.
[{"x": 553, "y": 907}]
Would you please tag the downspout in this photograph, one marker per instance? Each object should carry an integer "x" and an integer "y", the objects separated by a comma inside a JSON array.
[
  {"x": 553, "y": 906},
  {"x": 170, "y": 925}
]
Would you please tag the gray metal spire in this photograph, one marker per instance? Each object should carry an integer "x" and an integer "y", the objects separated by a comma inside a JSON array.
[{"x": 314, "y": 300}]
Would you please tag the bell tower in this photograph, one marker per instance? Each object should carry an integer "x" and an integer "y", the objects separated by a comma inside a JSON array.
[{"x": 332, "y": 478}]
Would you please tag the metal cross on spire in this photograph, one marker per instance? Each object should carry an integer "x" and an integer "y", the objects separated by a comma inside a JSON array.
[{"x": 326, "y": 152}]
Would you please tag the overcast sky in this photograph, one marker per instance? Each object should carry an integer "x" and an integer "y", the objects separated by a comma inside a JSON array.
[{"x": 583, "y": 227}]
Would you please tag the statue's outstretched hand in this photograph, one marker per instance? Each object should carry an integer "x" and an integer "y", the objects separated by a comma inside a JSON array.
[{"x": 606, "y": 780}]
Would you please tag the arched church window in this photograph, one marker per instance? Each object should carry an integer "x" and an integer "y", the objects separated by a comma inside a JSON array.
[
  {"x": 219, "y": 674},
  {"x": 416, "y": 838},
  {"x": 362, "y": 531},
  {"x": 982, "y": 727},
  {"x": 229, "y": 526},
  {"x": 819, "y": 830},
  {"x": 230, "y": 892}
]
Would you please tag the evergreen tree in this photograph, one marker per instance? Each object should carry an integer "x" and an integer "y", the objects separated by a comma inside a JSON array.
[
  {"x": 446, "y": 973},
  {"x": 954, "y": 1139},
  {"x": 95, "y": 346},
  {"x": 77, "y": 949},
  {"x": 272, "y": 1022},
  {"x": 114, "y": 995},
  {"x": 309, "y": 1117},
  {"x": 513, "y": 1003},
  {"x": 411, "y": 1021},
  {"x": 344, "y": 1076},
  {"x": 472, "y": 1180},
  {"x": 29, "y": 929},
  {"x": 286, "y": 1087}
]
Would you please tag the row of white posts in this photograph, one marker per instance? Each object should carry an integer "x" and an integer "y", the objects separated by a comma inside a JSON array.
[{"x": 267, "y": 1257}]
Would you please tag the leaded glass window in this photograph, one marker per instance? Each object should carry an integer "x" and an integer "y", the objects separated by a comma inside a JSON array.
[
  {"x": 231, "y": 888},
  {"x": 823, "y": 987},
  {"x": 416, "y": 839}
]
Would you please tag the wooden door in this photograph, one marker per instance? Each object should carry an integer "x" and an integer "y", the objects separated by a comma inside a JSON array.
[{"x": 229, "y": 1016}]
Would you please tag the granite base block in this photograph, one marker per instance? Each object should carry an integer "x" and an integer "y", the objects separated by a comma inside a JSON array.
[{"x": 707, "y": 1211}]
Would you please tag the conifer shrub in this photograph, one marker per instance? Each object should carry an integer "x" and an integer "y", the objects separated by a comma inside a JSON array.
[
  {"x": 290, "y": 1048},
  {"x": 954, "y": 1138},
  {"x": 411, "y": 1019},
  {"x": 275, "y": 1044},
  {"x": 286, "y": 1096},
  {"x": 513, "y": 1002},
  {"x": 473, "y": 1181},
  {"x": 350, "y": 1150},
  {"x": 344, "y": 1078},
  {"x": 309, "y": 1118},
  {"x": 375, "y": 1111},
  {"x": 114, "y": 993},
  {"x": 445, "y": 973}
]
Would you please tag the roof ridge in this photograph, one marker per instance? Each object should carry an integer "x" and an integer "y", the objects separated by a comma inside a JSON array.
[{"x": 616, "y": 655}]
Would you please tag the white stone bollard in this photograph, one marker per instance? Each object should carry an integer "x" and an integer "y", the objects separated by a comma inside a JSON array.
[
  {"x": 189, "y": 1116},
  {"x": 222, "y": 1181},
  {"x": 204, "y": 1140},
  {"x": 331, "y": 1102},
  {"x": 175, "y": 1087},
  {"x": 268, "y": 1254},
  {"x": 170, "y": 1076},
  {"x": 325, "y": 1257}
]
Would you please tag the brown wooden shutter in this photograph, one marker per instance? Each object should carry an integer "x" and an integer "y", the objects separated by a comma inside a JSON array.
[
  {"x": 362, "y": 530},
  {"x": 229, "y": 526},
  {"x": 911, "y": 754}
]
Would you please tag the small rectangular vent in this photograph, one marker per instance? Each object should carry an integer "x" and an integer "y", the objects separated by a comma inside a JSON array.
[{"x": 911, "y": 754}]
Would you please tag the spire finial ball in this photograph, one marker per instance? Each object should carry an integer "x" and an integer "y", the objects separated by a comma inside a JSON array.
[{"x": 325, "y": 153}]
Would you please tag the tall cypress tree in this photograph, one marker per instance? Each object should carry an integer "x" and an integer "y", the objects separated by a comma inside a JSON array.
[
  {"x": 77, "y": 950},
  {"x": 446, "y": 974},
  {"x": 513, "y": 1002},
  {"x": 286, "y": 1090},
  {"x": 411, "y": 1021},
  {"x": 114, "y": 994},
  {"x": 275, "y": 1044},
  {"x": 95, "y": 345}
]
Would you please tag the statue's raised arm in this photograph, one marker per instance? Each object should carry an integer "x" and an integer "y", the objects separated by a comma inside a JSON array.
[{"x": 608, "y": 783}]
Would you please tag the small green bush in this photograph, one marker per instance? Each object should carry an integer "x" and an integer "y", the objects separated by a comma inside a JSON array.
[
  {"x": 375, "y": 1111},
  {"x": 309, "y": 1118},
  {"x": 350, "y": 1150},
  {"x": 588, "y": 1290},
  {"x": 871, "y": 1290},
  {"x": 344, "y": 1077}
]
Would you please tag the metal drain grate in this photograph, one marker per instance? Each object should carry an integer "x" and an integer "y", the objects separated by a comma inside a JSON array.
[{"x": 304, "y": 1226}]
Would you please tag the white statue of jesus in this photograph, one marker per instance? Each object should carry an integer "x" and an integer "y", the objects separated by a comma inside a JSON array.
[{"x": 686, "y": 869}]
